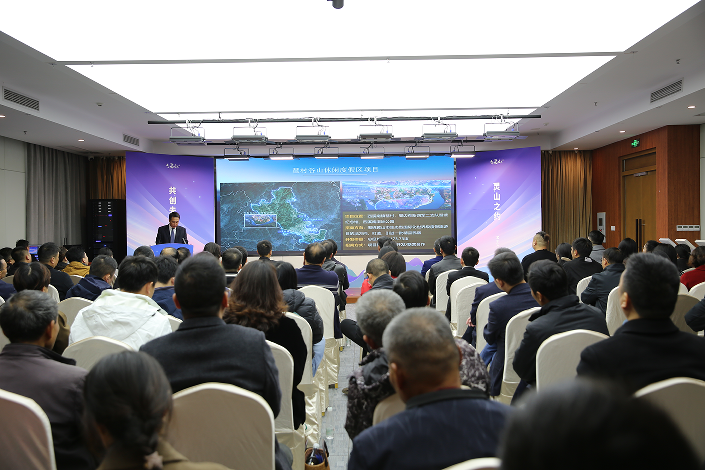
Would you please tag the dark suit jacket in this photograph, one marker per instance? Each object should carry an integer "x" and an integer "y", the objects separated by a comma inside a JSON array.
[
  {"x": 6, "y": 290},
  {"x": 481, "y": 293},
  {"x": 557, "y": 316},
  {"x": 578, "y": 269},
  {"x": 536, "y": 256},
  {"x": 314, "y": 275},
  {"x": 695, "y": 318},
  {"x": 437, "y": 430},
  {"x": 446, "y": 264},
  {"x": 385, "y": 281},
  {"x": 12, "y": 269},
  {"x": 601, "y": 285},
  {"x": 464, "y": 272},
  {"x": 164, "y": 297},
  {"x": 428, "y": 263},
  {"x": 501, "y": 311},
  {"x": 164, "y": 235},
  {"x": 642, "y": 352},
  {"x": 61, "y": 281}
]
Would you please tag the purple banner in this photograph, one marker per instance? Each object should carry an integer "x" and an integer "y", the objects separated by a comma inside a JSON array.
[
  {"x": 499, "y": 201},
  {"x": 160, "y": 184}
]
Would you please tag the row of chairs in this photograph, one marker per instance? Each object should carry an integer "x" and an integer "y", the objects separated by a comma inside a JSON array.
[{"x": 74, "y": 278}]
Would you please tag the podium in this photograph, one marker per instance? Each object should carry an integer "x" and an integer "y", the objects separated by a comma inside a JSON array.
[{"x": 158, "y": 248}]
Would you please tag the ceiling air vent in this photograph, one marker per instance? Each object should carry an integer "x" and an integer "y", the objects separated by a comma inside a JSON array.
[
  {"x": 20, "y": 99},
  {"x": 668, "y": 90},
  {"x": 131, "y": 140}
]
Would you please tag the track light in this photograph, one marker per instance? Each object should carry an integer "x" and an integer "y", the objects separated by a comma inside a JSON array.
[{"x": 337, "y": 4}]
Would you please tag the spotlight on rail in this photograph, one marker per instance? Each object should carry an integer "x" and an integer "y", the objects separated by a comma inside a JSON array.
[{"x": 337, "y": 4}]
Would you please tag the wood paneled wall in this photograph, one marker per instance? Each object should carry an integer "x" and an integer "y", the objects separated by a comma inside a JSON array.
[{"x": 677, "y": 181}]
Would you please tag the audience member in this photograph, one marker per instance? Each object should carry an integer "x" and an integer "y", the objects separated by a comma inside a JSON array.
[
  {"x": 628, "y": 247},
  {"x": 128, "y": 403},
  {"x": 105, "y": 251},
  {"x": 581, "y": 266},
  {"x": 430, "y": 262},
  {"x": 48, "y": 255},
  {"x": 335, "y": 251},
  {"x": 338, "y": 268},
  {"x": 313, "y": 274},
  {"x": 232, "y": 261},
  {"x": 62, "y": 264},
  {"x": 448, "y": 263},
  {"x": 667, "y": 251},
  {"x": 540, "y": 246},
  {"x": 256, "y": 301},
  {"x": 101, "y": 276},
  {"x": 601, "y": 284},
  {"x": 145, "y": 251},
  {"x": 386, "y": 245},
  {"x": 430, "y": 434},
  {"x": 468, "y": 260},
  {"x": 563, "y": 254},
  {"x": 6, "y": 254},
  {"x": 78, "y": 262},
  {"x": 20, "y": 256},
  {"x": 243, "y": 251},
  {"x": 30, "y": 368},
  {"x": 509, "y": 277},
  {"x": 130, "y": 314},
  {"x": 695, "y": 318},
  {"x": 649, "y": 246},
  {"x": 580, "y": 425},
  {"x": 25, "y": 244},
  {"x": 212, "y": 248},
  {"x": 182, "y": 253},
  {"x": 682, "y": 257},
  {"x": 264, "y": 250},
  {"x": 303, "y": 306},
  {"x": 560, "y": 312},
  {"x": 648, "y": 347},
  {"x": 6, "y": 289},
  {"x": 596, "y": 238},
  {"x": 169, "y": 251},
  {"x": 396, "y": 263},
  {"x": 164, "y": 287},
  {"x": 413, "y": 289},
  {"x": 697, "y": 275}
]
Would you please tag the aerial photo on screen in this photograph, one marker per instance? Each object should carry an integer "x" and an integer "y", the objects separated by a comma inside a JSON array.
[{"x": 397, "y": 195}]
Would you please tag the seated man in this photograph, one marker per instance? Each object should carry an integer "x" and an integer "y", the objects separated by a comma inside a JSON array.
[
  {"x": 430, "y": 262},
  {"x": 581, "y": 266},
  {"x": 145, "y": 251},
  {"x": 48, "y": 255},
  {"x": 128, "y": 315},
  {"x": 443, "y": 424},
  {"x": 232, "y": 262},
  {"x": 205, "y": 349},
  {"x": 449, "y": 262},
  {"x": 169, "y": 251},
  {"x": 596, "y": 238},
  {"x": 648, "y": 348},
  {"x": 468, "y": 260},
  {"x": 164, "y": 288},
  {"x": 100, "y": 277},
  {"x": 78, "y": 262},
  {"x": 21, "y": 256},
  {"x": 30, "y": 368},
  {"x": 413, "y": 289},
  {"x": 540, "y": 246},
  {"x": 313, "y": 274},
  {"x": 264, "y": 250},
  {"x": 509, "y": 276},
  {"x": 6, "y": 290},
  {"x": 601, "y": 284},
  {"x": 560, "y": 312},
  {"x": 338, "y": 268}
]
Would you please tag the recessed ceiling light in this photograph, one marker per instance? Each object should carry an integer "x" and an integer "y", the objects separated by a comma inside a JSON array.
[
  {"x": 691, "y": 107},
  {"x": 622, "y": 132},
  {"x": 2, "y": 115},
  {"x": 81, "y": 140},
  {"x": 575, "y": 148}
]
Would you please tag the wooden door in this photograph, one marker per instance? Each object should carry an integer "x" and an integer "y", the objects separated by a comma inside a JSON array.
[{"x": 639, "y": 192}]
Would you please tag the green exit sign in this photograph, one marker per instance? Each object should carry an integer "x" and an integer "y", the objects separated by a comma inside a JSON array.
[{"x": 635, "y": 143}]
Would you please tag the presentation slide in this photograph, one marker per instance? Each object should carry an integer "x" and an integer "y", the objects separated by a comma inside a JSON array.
[
  {"x": 295, "y": 202},
  {"x": 499, "y": 201}
]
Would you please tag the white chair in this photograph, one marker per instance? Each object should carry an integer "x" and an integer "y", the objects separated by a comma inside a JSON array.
[
  {"x": 225, "y": 424},
  {"x": 582, "y": 284},
  {"x": 307, "y": 335},
  {"x": 174, "y": 322},
  {"x": 614, "y": 315},
  {"x": 387, "y": 408},
  {"x": 76, "y": 279},
  {"x": 89, "y": 351},
  {"x": 325, "y": 303},
  {"x": 463, "y": 303},
  {"x": 485, "y": 463},
  {"x": 558, "y": 357},
  {"x": 71, "y": 306},
  {"x": 54, "y": 293},
  {"x": 8, "y": 279},
  {"x": 25, "y": 439},
  {"x": 483, "y": 313},
  {"x": 428, "y": 273},
  {"x": 698, "y": 291},
  {"x": 683, "y": 305},
  {"x": 682, "y": 289},
  {"x": 2, "y": 301},
  {"x": 441, "y": 293},
  {"x": 516, "y": 327},
  {"x": 455, "y": 288},
  {"x": 683, "y": 399}
]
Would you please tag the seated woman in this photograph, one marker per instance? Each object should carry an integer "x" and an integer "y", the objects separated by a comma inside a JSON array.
[
  {"x": 257, "y": 301},
  {"x": 36, "y": 276},
  {"x": 304, "y": 306},
  {"x": 127, "y": 405},
  {"x": 691, "y": 278}
]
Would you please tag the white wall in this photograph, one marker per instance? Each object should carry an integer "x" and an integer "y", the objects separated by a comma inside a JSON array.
[{"x": 13, "y": 197}]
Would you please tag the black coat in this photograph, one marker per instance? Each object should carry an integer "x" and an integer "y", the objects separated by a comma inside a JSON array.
[
  {"x": 305, "y": 307},
  {"x": 580, "y": 268},
  {"x": 460, "y": 273},
  {"x": 695, "y": 318},
  {"x": 536, "y": 256},
  {"x": 61, "y": 281},
  {"x": 164, "y": 235},
  {"x": 600, "y": 286},
  {"x": 446, "y": 264},
  {"x": 385, "y": 281},
  {"x": 558, "y": 316}
]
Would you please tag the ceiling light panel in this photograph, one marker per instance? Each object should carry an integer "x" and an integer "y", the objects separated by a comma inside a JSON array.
[{"x": 234, "y": 29}]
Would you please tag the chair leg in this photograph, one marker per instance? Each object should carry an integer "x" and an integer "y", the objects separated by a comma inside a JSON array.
[{"x": 333, "y": 360}]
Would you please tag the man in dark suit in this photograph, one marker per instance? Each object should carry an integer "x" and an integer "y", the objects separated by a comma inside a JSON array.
[
  {"x": 206, "y": 349},
  {"x": 430, "y": 262},
  {"x": 173, "y": 232},
  {"x": 312, "y": 274},
  {"x": 601, "y": 284},
  {"x": 449, "y": 262},
  {"x": 540, "y": 246},
  {"x": 648, "y": 348},
  {"x": 21, "y": 256},
  {"x": 264, "y": 250},
  {"x": 581, "y": 266},
  {"x": 48, "y": 255},
  {"x": 509, "y": 276},
  {"x": 439, "y": 426},
  {"x": 6, "y": 290},
  {"x": 468, "y": 260},
  {"x": 231, "y": 261}
]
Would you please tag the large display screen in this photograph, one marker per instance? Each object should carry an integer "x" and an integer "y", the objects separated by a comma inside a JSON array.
[{"x": 295, "y": 202}]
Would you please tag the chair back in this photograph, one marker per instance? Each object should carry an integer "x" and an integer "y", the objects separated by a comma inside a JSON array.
[
  {"x": 456, "y": 287},
  {"x": 582, "y": 284},
  {"x": 441, "y": 293},
  {"x": 89, "y": 351},
  {"x": 174, "y": 322},
  {"x": 388, "y": 408},
  {"x": 483, "y": 313},
  {"x": 614, "y": 315},
  {"x": 224, "y": 424},
  {"x": 25, "y": 439},
  {"x": 54, "y": 293},
  {"x": 307, "y": 334},
  {"x": 2, "y": 301},
  {"x": 325, "y": 303},
  {"x": 284, "y": 422},
  {"x": 682, "y": 289},
  {"x": 9, "y": 279},
  {"x": 485, "y": 463},
  {"x": 698, "y": 291},
  {"x": 558, "y": 357},
  {"x": 76, "y": 279},
  {"x": 428, "y": 273},
  {"x": 71, "y": 307},
  {"x": 683, "y": 305},
  {"x": 463, "y": 303},
  {"x": 516, "y": 326},
  {"x": 683, "y": 399}
]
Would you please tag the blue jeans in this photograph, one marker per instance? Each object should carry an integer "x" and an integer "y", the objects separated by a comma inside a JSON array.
[
  {"x": 319, "y": 349},
  {"x": 488, "y": 353}
]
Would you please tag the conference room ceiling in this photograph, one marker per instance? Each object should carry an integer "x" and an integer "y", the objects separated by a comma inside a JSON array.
[{"x": 243, "y": 59}]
